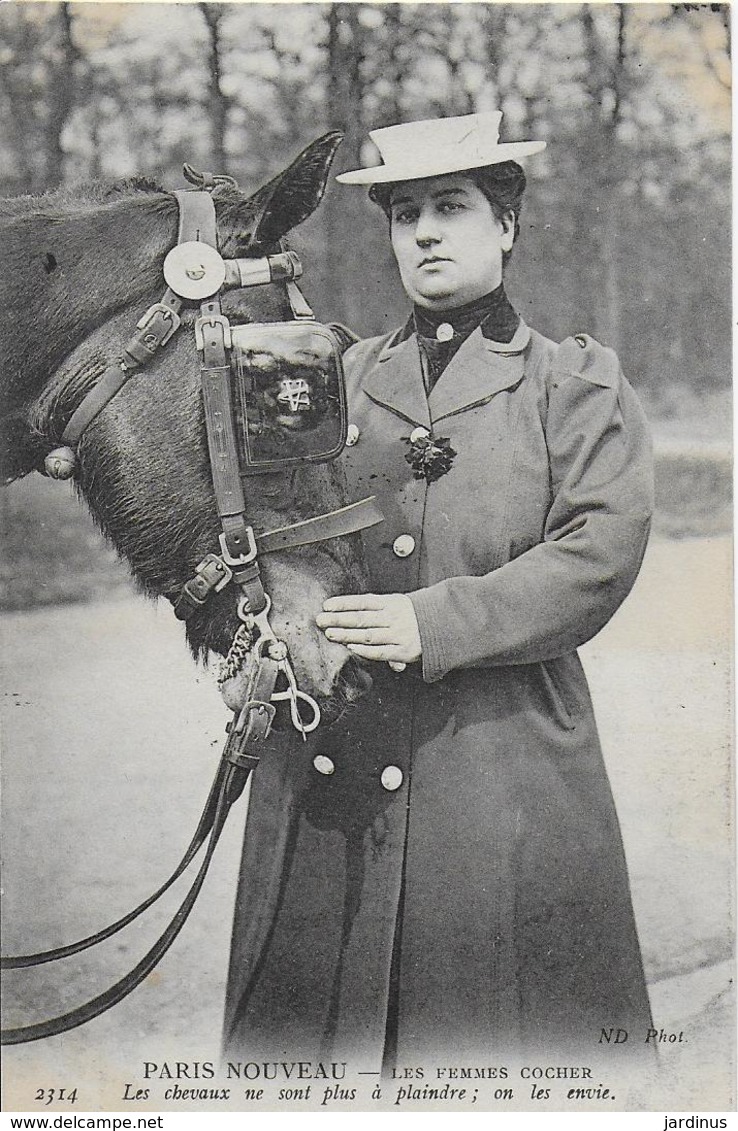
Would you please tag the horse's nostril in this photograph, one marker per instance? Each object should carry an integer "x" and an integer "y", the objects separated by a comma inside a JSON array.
[
  {"x": 354, "y": 680},
  {"x": 352, "y": 683}
]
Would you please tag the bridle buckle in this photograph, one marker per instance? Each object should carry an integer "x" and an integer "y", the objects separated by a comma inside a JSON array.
[
  {"x": 242, "y": 559},
  {"x": 215, "y": 573},
  {"x": 212, "y": 320},
  {"x": 167, "y": 313}
]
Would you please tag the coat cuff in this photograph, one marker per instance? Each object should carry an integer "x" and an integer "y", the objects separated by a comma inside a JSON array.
[{"x": 433, "y": 647}]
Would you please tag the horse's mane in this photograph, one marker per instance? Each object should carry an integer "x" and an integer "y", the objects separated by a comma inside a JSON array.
[{"x": 74, "y": 196}]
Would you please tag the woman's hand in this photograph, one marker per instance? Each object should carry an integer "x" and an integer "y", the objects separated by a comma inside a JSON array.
[{"x": 375, "y": 627}]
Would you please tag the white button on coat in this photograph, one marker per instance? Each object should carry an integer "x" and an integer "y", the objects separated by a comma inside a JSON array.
[
  {"x": 323, "y": 764},
  {"x": 352, "y": 435},
  {"x": 403, "y": 545},
  {"x": 391, "y": 778}
]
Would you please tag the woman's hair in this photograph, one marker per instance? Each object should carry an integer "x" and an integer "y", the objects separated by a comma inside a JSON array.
[{"x": 502, "y": 184}]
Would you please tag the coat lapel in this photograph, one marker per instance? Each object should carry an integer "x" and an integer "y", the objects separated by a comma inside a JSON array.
[
  {"x": 396, "y": 382},
  {"x": 480, "y": 369}
]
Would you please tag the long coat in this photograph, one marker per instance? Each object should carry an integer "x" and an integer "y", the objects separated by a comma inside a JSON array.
[{"x": 455, "y": 882}]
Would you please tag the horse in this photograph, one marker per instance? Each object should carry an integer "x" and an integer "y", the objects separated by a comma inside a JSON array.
[
  {"x": 83, "y": 266},
  {"x": 80, "y": 266}
]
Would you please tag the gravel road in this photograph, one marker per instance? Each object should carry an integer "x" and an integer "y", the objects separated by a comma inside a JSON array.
[{"x": 111, "y": 736}]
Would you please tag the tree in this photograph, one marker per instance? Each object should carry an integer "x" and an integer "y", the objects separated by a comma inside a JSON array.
[
  {"x": 37, "y": 86},
  {"x": 626, "y": 215},
  {"x": 345, "y": 111},
  {"x": 61, "y": 81},
  {"x": 217, "y": 104}
]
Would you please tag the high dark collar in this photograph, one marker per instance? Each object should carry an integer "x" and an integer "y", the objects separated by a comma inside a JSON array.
[{"x": 493, "y": 312}]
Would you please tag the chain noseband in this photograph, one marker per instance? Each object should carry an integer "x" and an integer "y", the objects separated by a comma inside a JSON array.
[{"x": 194, "y": 271}]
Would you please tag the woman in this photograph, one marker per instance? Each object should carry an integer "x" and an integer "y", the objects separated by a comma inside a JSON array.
[{"x": 441, "y": 873}]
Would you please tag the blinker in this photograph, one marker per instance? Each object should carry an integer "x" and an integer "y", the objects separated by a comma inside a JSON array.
[
  {"x": 290, "y": 398},
  {"x": 289, "y": 394}
]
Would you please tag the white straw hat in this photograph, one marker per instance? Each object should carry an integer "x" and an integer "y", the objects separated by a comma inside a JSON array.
[{"x": 436, "y": 146}]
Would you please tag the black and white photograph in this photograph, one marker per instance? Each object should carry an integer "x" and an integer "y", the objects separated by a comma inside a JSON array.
[{"x": 366, "y": 590}]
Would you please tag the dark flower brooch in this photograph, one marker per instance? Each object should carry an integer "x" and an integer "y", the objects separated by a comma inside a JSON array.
[{"x": 429, "y": 457}]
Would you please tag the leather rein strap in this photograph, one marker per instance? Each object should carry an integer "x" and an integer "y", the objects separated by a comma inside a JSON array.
[
  {"x": 237, "y": 561},
  {"x": 238, "y": 760}
]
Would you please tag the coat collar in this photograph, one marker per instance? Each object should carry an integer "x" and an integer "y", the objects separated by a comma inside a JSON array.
[{"x": 480, "y": 368}]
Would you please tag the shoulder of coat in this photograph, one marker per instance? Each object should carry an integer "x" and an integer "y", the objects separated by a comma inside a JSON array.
[
  {"x": 367, "y": 350},
  {"x": 582, "y": 356},
  {"x": 344, "y": 336}
]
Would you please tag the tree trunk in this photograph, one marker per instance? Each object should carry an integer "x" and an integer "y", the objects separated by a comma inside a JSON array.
[
  {"x": 605, "y": 82},
  {"x": 393, "y": 21},
  {"x": 60, "y": 99},
  {"x": 217, "y": 103},
  {"x": 494, "y": 23},
  {"x": 343, "y": 211}
]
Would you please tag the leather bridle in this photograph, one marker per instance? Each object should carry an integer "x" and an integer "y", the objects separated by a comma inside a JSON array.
[{"x": 194, "y": 271}]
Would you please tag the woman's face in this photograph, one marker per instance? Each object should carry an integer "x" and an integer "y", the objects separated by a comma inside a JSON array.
[{"x": 447, "y": 241}]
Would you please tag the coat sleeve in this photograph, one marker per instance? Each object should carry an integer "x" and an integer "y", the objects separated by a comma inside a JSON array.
[{"x": 560, "y": 593}]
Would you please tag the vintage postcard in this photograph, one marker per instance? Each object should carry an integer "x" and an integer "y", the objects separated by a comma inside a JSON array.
[{"x": 429, "y": 433}]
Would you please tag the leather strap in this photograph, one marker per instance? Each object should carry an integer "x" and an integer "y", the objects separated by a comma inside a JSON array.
[
  {"x": 205, "y": 824},
  {"x": 255, "y": 720},
  {"x": 212, "y": 574},
  {"x": 347, "y": 520},
  {"x": 212, "y": 336},
  {"x": 239, "y": 758},
  {"x": 232, "y": 785},
  {"x": 154, "y": 330},
  {"x": 301, "y": 308},
  {"x": 196, "y": 217}
]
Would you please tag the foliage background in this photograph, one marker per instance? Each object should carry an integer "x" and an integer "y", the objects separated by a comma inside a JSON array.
[
  {"x": 626, "y": 229},
  {"x": 626, "y": 235}
]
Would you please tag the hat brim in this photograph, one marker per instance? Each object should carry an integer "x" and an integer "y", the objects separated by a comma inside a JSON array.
[{"x": 438, "y": 165}]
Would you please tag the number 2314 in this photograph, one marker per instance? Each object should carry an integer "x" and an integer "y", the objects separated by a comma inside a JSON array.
[{"x": 47, "y": 1096}]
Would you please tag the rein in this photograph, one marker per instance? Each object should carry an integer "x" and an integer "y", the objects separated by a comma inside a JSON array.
[{"x": 195, "y": 271}]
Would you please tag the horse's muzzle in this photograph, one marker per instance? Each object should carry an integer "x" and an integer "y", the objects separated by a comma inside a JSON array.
[{"x": 353, "y": 682}]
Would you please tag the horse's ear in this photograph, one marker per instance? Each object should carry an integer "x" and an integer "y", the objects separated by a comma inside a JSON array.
[{"x": 295, "y": 193}]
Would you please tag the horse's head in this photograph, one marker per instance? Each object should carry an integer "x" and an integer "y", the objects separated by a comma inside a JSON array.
[{"x": 143, "y": 463}]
